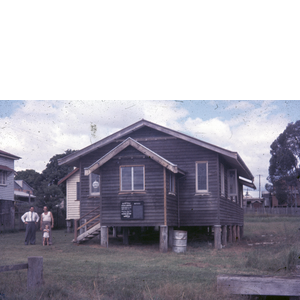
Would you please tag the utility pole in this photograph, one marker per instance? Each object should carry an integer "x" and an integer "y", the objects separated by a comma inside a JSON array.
[{"x": 259, "y": 187}]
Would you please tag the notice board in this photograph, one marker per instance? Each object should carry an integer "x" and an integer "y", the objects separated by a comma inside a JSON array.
[{"x": 132, "y": 210}]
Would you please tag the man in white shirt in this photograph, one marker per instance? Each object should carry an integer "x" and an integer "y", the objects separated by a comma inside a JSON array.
[{"x": 30, "y": 218}]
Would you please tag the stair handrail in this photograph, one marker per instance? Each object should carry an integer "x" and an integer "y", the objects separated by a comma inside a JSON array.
[{"x": 76, "y": 228}]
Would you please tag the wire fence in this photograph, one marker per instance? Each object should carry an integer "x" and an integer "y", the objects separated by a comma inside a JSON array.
[{"x": 273, "y": 210}]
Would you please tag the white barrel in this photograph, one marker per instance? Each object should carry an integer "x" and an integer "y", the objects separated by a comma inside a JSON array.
[{"x": 179, "y": 241}]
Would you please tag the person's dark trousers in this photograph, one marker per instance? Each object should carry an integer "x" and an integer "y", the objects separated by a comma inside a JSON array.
[{"x": 30, "y": 233}]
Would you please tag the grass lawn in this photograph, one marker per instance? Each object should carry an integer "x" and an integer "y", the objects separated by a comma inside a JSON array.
[{"x": 271, "y": 246}]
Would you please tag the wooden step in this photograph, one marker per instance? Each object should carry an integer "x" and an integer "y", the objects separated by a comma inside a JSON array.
[{"x": 89, "y": 234}]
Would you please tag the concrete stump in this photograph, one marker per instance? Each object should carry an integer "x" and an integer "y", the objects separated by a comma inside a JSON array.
[
  {"x": 238, "y": 236},
  {"x": 68, "y": 226},
  {"x": 224, "y": 235},
  {"x": 114, "y": 231},
  {"x": 171, "y": 233},
  {"x": 230, "y": 234},
  {"x": 217, "y": 237},
  {"x": 104, "y": 236},
  {"x": 234, "y": 233},
  {"x": 125, "y": 236},
  {"x": 163, "y": 239}
]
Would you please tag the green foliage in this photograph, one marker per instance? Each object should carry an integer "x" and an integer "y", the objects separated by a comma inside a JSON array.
[
  {"x": 31, "y": 177},
  {"x": 45, "y": 184},
  {"x": 284, "y": 169}
]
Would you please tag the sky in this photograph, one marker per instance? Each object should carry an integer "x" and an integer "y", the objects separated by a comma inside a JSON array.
[{"x": 38, "y": 130}]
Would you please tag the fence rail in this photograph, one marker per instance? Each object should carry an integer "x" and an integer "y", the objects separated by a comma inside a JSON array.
[
  {"x": 34, "y": 271},
  {"x": 273, "y": 210}
]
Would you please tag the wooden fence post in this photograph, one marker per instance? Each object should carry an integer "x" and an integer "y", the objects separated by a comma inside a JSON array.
[{"x": 34, "y": 272}]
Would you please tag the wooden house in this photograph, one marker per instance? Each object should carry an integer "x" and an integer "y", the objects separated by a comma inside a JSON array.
[
  {"x": 7, "y": 189},
  {"x": 150, "y": 175}
]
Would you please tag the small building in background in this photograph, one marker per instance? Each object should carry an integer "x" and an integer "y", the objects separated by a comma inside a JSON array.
[
  {"x": 252, "y": 202},
  {"x": 23, "y": 191}
]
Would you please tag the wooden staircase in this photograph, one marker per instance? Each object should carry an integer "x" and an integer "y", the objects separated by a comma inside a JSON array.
[
  {"x": 91, "y": 226},
  {"x": 89, "y": 234}
]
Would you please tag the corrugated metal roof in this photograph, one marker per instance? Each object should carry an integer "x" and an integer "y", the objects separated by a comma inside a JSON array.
[{"x": 23, "y": 194}]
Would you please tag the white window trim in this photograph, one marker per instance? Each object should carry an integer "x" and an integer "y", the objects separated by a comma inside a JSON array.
[
  {"x": 172, "y": 178},
  {"x": 222, "y": 180},
  {"x": 90, "y": 189},
  {"x": 197, "y": 190},
  {"x": 236, "y": 184},
  {"x": 4, "y": 183},
  {"x": 132, "y": 176}
]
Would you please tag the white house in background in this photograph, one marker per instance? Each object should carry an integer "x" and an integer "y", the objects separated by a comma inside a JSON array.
[
  {"x": 72, "y": 200},
  {"x": 7, "y": 161},
  {"x": 7, "y": 175}
]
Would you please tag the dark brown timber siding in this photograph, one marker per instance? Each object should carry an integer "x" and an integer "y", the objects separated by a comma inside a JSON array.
[
  {"x": 112, "y": 196},
  {"x": 195, "y": 210}
]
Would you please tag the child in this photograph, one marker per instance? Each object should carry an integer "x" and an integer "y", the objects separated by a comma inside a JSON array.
[{"x": 46, "y": 235}]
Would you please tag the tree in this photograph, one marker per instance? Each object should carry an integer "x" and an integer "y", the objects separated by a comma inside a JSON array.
[
  {"x": 284, "y": 169},
  {"x": 31, "y": 177},
  {"x": 49, "y": 193}
]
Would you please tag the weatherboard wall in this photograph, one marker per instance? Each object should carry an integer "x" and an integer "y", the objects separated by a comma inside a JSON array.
[
  {"x": 7, "y": 190},
  {"x": 112, "y": 196},
  {"x": 194, "y": 209},
  {"x": 73, "y": 201}
]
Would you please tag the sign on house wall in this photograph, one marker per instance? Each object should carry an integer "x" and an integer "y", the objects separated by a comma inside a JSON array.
[{"x": 132, "y": 210}]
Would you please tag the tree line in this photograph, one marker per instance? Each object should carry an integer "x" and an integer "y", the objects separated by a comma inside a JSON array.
[{"x": 45, "y": 184}]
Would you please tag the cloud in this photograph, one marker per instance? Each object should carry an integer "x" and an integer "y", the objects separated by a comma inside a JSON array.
[
  {"x": 242, "y": 105},
  {"x": 38, "y": 130},
  {"x": 249, "y": 132}
]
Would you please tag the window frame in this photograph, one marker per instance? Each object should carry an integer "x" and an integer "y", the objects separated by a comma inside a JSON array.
[
  {"x": 235, "y": 181},
  {"x": 93, "y": 194},
  {"x": 172, "y": 183},
  {"x": 197, "y": 190},
  {"x": 222, "y": 171},
  {"x": 132, "y": 178},
  {"x": 3, "y": 177}
]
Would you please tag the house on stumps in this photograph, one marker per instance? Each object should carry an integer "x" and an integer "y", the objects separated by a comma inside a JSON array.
[{"x": 149, "y": 175}]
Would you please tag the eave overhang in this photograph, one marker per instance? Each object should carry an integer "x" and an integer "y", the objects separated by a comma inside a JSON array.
[
  {"x": 141, "y": 148},
  {"x": 247, "y": 183}
]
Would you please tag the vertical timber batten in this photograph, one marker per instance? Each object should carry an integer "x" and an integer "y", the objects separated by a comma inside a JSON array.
[{"x": 165, "y": 197}]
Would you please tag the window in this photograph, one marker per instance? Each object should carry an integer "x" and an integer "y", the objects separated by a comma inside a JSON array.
[
  {"x": 3, "y": 176},
  {"x": 201, "y": 177},
  {"x": 222, "y": 181},
  {"x": 172, "y": 183},
  {"x": 232, "y": 183},
  {"x": 132, "y": 178},
  {"x": 94, "y": 184}
]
